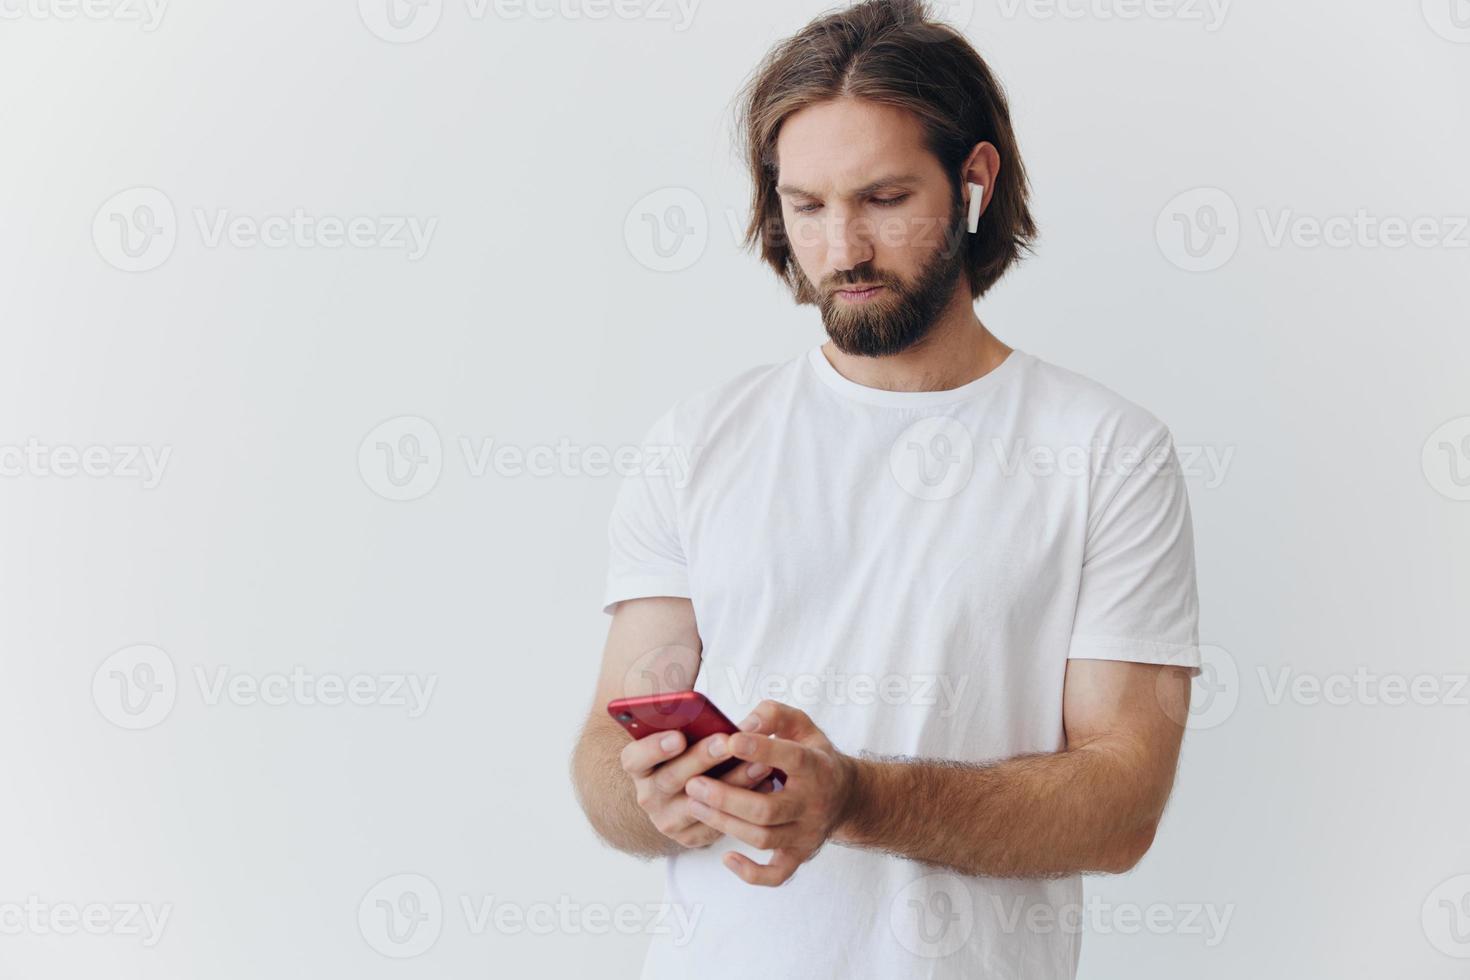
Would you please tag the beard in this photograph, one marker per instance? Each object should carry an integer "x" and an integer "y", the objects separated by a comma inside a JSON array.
[{"x": 904, "y": 313}]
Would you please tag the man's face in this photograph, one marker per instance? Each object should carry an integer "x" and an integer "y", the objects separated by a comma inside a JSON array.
[{"x": 867, "y": 205}]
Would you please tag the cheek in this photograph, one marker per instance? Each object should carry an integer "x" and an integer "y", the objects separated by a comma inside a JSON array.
[
  {"x": 913, "y": 235},
  {"x": 913, "y": 245},
  {"x": 808, "y": 247},
  {"x": 807, "y": 238},
  {"x": 896, "y": 261}
]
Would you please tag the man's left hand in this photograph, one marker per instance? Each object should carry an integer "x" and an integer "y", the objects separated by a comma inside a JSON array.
[{"x": 793, "y": 822}]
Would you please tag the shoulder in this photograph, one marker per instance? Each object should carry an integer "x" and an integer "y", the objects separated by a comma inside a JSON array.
[
  {"x": 746, "y": 399},
  {"x": 1081, "y": 409}
]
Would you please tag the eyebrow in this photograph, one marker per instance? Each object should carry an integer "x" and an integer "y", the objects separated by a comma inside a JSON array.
[{"x": 889, "y": 180}]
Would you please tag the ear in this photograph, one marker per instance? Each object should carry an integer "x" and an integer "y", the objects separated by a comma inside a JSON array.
[
  {"x": 977, "y": 197},
  {"x": 979, "y": 176}
]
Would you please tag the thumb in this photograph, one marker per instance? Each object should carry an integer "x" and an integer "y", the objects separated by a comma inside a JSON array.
[{"x": 780, "y": 720}]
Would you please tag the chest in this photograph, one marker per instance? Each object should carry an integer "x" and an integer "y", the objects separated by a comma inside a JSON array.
[{"x": 870, "y": 536}]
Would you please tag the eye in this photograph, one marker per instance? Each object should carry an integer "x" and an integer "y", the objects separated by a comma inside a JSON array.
[
  {"x": 805, "y": 208},
  {"x": 888, "y": 202}
]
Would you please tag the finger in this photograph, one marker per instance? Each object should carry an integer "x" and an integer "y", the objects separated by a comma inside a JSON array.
[
  {"x": 764, "y": 809},
  {"x": 676, "y": 822},
  {"x": 765, "y": 838},
  {"x": 699, "y": 758},
  {"x": 781, "y": 720},
  {"x": 640, "y": 756},
  {"x": 681, "y": 819},
  {"x": 747, "y": 775},
  {"x": 696, "y": 834},
  {"x": 778, "y": 753},
  {"x": 783, "y": 865}
]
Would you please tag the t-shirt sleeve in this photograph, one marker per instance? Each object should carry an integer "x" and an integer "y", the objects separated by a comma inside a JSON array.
[
  {"x": 645, "y": 545},
  {"x": 1137, "y": 599}
]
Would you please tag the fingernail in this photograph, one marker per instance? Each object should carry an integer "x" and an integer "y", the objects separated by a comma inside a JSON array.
[
  {"x": 751, "y": 724},
  {"x": 717, "y": 747},
  {"x": 757, "y": 769},
  {"x": 669, "y": 742},
  {"x": 696, "y": 789}
]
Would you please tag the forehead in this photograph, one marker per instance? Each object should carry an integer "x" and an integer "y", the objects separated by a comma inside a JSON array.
[{"x": 845, "y": 143}]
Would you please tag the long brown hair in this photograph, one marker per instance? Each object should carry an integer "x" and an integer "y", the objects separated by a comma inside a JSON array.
[{"x": 892, "y": 52}]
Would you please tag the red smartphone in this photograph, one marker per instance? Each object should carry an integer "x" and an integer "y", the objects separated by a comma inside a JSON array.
[{"x": 687, "y": 711}]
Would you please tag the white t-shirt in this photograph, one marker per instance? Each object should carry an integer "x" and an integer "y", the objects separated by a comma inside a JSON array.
[{"x": 914, "y": 570}]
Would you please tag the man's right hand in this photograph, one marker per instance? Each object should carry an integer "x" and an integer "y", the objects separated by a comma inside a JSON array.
[{"x": 660, "y": 766}]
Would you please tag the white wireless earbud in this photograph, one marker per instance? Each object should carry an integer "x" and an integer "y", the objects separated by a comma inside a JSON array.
[{"x": 977, "y": 194}]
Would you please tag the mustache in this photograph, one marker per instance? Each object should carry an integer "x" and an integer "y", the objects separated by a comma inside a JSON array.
[{"x": 854, "y": 278}]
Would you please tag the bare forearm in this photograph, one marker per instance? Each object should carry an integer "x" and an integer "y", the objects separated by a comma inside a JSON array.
[
  {"x": 1033, "y": 816},
  {"x": 607, "y": 794}
]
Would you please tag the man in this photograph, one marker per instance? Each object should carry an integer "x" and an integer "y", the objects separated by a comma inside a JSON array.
[{"x": 952, "y": 586}]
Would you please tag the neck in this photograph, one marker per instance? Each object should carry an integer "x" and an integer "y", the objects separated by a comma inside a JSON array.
[{"x": 957, "y": 350}]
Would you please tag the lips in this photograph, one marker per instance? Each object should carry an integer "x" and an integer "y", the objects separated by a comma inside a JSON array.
[{"x": 859, "y": 292}]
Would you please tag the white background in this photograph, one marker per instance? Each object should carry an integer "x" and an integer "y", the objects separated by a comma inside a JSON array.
[{"x": 1332, "y": 540}]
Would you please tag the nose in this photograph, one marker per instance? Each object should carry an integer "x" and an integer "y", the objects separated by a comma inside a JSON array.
[{"x": 849, "y": 241}]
